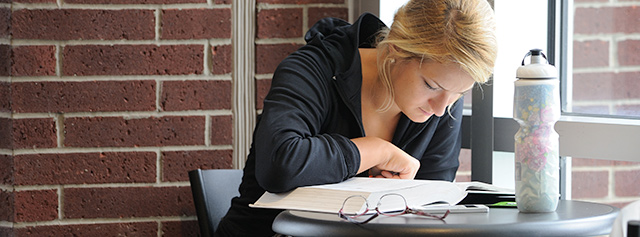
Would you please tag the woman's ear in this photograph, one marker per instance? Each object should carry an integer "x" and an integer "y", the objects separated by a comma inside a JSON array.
[{"x": 393, "y": 49}]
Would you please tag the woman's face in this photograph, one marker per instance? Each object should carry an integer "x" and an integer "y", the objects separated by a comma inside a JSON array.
[{"x": 426, "y": 89}]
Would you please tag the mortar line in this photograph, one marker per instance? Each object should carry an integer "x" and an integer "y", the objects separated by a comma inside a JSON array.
[
  {"x": 58, "y": 58},
  {"x": 128, "y": 114},
  {"x": 113, "y": 42},
  {"x": 60, "y": 203},
  {"x": 53, "y": 6},
  {"x": 90, "y": 221},
  {"x": 67, "y": 150},
  {"x": 159, "y": 167},
  {"x": 207, "y": 64},
  {"x": 207, "y": 131},
  {"x": 217, "y": 77},
  {"x": 59, "y": 119},
  {"x": 158, "y": 28},
  {"x": 159, "y": 85},
  {"x": 178, "y": 184},
  {"x": 159, "y": 232}
]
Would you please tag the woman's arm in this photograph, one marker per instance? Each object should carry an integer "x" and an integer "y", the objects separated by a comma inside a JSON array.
[
  {"x": 291, "y": 149},
  {"x": 383, "y": 155}
]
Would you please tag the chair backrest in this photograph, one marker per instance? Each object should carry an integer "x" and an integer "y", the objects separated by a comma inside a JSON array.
[
  {"x": 212, "y": 193},
  {"x": 627, "y": 218}
]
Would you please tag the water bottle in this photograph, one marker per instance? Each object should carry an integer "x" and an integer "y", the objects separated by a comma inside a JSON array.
[{"x": 536, "y": 107}]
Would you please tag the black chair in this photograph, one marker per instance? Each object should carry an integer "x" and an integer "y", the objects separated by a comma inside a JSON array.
[
  {"x": 212, "y": 193},
  {"x": 633, "y": 228}
]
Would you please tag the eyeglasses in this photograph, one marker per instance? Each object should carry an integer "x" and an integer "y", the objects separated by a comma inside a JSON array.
[{"x": 391, "y": 204}]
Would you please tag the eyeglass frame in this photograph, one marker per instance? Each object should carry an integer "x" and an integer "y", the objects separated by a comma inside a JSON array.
[{"x": 407, "y": 210}]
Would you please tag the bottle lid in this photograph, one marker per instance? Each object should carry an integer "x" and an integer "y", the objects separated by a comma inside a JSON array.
[{"x": 539, "y": 68}]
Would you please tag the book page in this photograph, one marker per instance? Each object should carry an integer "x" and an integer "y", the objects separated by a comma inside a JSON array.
[
  {"x": 330, "y": 197},
  {"x": 371, "y": 185},
  {"x": 480, "y": 187}
]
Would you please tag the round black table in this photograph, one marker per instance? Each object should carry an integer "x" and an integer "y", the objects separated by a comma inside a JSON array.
[{"x": 572, "y": 218}]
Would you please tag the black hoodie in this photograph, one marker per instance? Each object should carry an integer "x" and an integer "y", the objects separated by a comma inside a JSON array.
[{"x": 310, "y": 114}]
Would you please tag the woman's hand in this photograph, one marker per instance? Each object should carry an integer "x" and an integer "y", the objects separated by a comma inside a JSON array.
[{"x": 391, "y": 161}]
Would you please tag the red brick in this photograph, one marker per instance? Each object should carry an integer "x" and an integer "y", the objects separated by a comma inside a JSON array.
[
  {"x": 619, "y": 204},
  {"x": 279, "y": 23},
  {"x": 5, "y": 60},
  {"x": 627, "y": 183},
  {"x": 5, "y": 22},
  {"x": 268, "y": 56},
  {"x": 5, "y": 97},
  {"x": 6, "y": 133},
  {"x": 121, "y": 132},
  {"x": 75, "y": 24},
  {"x": 80, "y": 168},
  {"x": 33, "y": 1},
  {"x": 134, "y": 1},
  {"x": 86, "y": 60},
  {"x": 299, "y": 1},
  {"x": 84, "y": 96},
  {"x": 628, "y": 53},
  {"x": 7, "y": 210},
  {"x": 221, "y": 130},
  {"x": 6, "y": 231},
  {"x": 114, "y": 229},
  {"x": 463, "y": 178},
  {"x": 625, "y": 163},
  {"x": 36, "y": 205},
  {"x": 592, "y": 53},
  {"x": 630, "y": 110},
  {"x": 196, "y": 23},
  {"x": 606, "y": 86},
  {"x": 221, "y": 57},
  {"x": 585, "y": 162},
  {"x": 34, "y": 61},
  {"x": 317, "y": 13},
  {"x": 591, "y": 109},
  {"x": 6, "y": 170},
  {"x": 262, "y": 89},
  {"x": 196, "y": 95},
  {"x": 176, "y": 164},
  {"x": 465, "y": 160},
  {"x": 128, "y": 202},
  {"x": 589, "y": 20},
  {"x": 590, "y": 184},
  {"x": 34, "y": 133},
  {"x": 180, "y": 228}
]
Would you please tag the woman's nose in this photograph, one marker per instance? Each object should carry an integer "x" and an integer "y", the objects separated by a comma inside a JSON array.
[{"x": 439, "y": 104}]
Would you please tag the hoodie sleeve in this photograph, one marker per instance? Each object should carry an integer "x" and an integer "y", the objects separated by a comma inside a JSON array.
[{"x": 291, "y": 150}]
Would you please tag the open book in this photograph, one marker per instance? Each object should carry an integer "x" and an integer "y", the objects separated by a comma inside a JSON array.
[{"x": 330, "y": 197}]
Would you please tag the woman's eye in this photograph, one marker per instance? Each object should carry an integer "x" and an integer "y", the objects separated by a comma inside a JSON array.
[{"x": 430, "y": 87}]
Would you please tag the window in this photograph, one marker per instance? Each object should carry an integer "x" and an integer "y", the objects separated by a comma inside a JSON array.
[
  {"x": 604, "y": 75},
  {"x": 600, "y": 75}
]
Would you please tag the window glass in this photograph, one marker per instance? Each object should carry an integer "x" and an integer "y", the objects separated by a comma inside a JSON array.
[
  {"x": 521, "y": 26},
  {"x": 388, "y": 9},
  {"x": 604, "y": 77}
]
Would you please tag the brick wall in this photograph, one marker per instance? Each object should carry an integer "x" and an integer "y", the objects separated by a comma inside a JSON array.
[
  {"x": 106, "y": 104},
  {"x": 606, "y": 80},
  {"x": 281, "y": 25},
  {"x": 606, "y": 63}
]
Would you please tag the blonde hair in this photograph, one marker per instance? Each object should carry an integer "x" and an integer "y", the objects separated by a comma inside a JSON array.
[{"x": 444, "y": 31}]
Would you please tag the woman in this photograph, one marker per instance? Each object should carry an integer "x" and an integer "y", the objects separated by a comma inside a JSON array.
[{"x": 362, "y": 100}]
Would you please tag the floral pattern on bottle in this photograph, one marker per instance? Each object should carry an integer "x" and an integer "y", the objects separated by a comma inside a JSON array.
[{"x": 536, "y": 109}]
